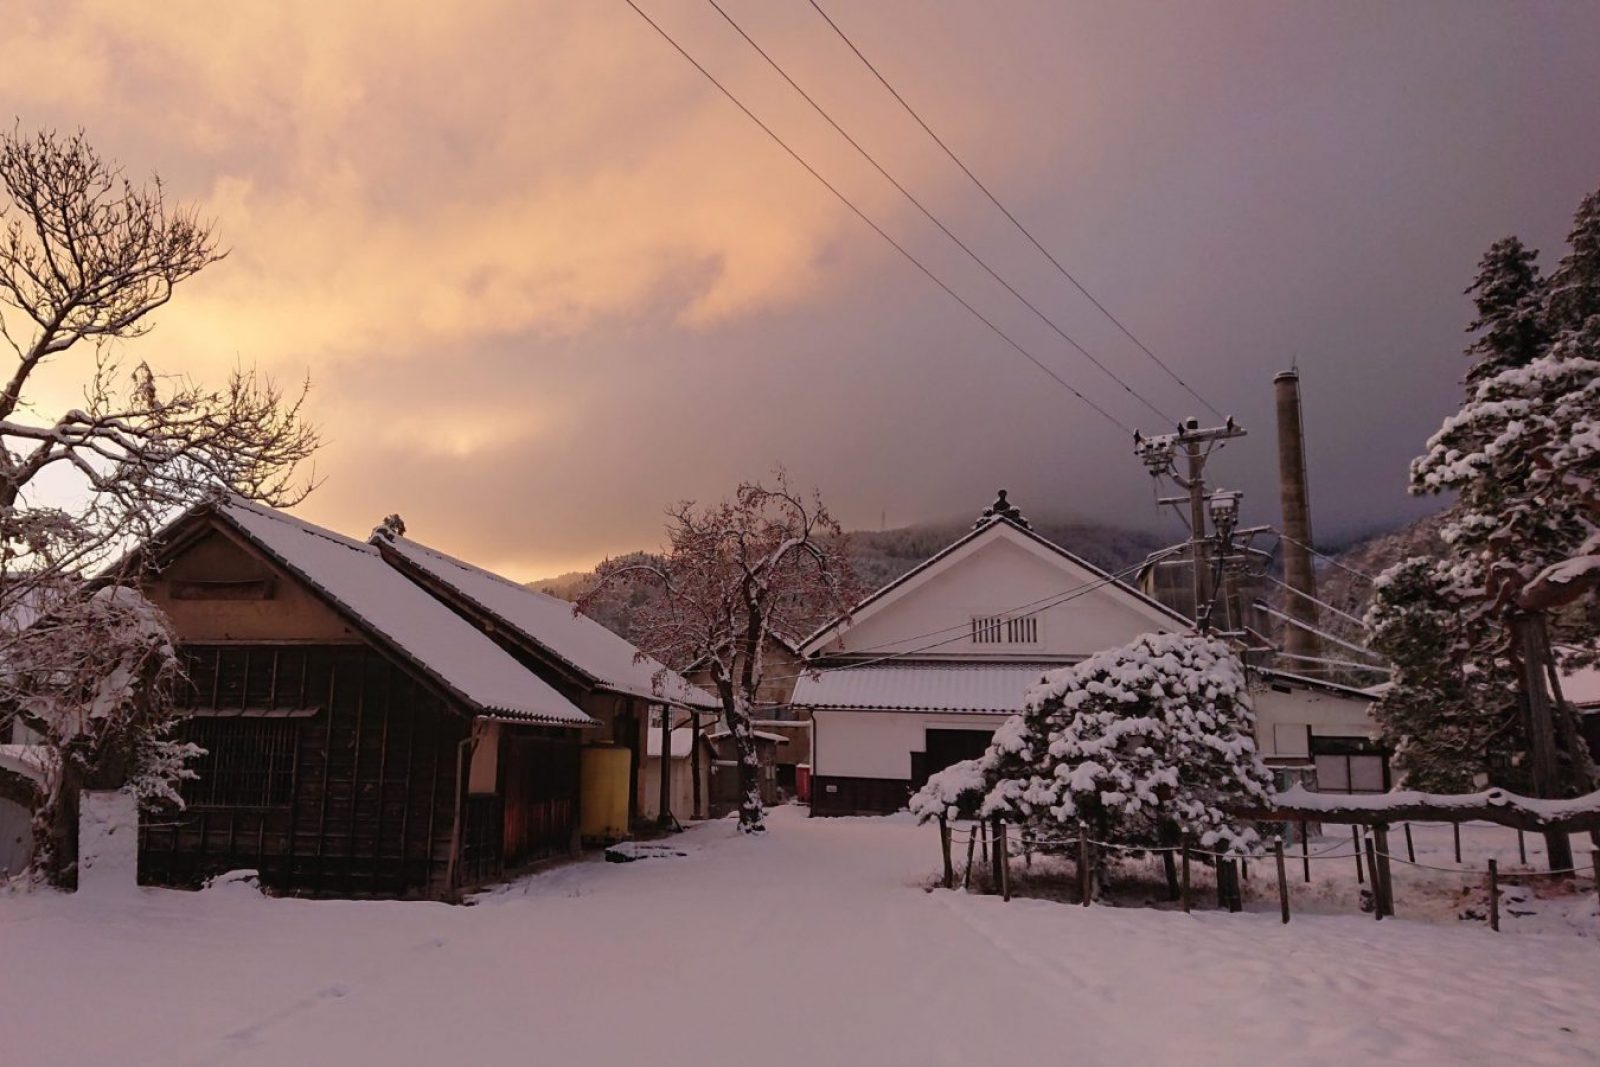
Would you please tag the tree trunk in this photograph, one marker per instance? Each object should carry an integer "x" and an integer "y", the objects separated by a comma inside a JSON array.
[
  {"x": 1532, "y": 648},
  {"x": 55, "y": 829},
  {"x": 752, "y": 816}
]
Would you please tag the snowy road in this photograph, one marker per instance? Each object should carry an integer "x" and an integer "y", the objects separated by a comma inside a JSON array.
[{"x": 813, "y": 946}]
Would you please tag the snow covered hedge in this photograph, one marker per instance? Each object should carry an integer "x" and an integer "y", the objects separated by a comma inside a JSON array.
[{"x": 1144, "y": 745}]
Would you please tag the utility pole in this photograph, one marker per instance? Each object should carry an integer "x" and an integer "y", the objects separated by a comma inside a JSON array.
[{"x": 1159, "y": 455}]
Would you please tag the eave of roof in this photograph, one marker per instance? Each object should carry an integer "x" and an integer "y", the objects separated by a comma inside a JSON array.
[{"x": 228, "y": 513}]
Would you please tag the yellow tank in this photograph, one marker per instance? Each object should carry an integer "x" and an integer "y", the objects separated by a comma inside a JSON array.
[{"x": 604, "y": 770}]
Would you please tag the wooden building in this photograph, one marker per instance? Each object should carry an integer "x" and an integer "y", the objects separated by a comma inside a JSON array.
[
  {"x": 361, "y": 738},
  {"x": 775, "y": 713},
  {"x": 614, "y": 683},
  {"x": 920, "y": 673}
]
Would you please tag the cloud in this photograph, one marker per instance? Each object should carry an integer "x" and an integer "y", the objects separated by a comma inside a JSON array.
[{"x": 546, "y": 280}]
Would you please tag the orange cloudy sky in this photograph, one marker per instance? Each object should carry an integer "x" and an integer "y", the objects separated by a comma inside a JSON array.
[{"x": 546, "y": 280}]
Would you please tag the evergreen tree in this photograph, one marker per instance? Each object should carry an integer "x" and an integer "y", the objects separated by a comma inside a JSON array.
[
  {"x": 1452, "y": 724},
  {"x": 1509, "y": 293},
  {"x": 1523, "y": 458},
  {"x": 1575, "y": 285},
  {"x": 1142, "y": 746}
]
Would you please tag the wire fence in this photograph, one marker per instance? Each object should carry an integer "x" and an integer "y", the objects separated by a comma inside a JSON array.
[{"x": 988, "y": 842}]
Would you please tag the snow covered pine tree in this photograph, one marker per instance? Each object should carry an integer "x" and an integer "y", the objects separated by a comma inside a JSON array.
[
  {"x": 1523, "y": 455},
  {"x": 86, "y": 664},
  {"x": 1147, "y": 745},
  {"x": 770, "y": 560}
]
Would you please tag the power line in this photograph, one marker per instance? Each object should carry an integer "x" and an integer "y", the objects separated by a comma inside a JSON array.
[
  {"x": 1007, "y": 213},
  {"x": 1018, "y": 611},
  {"x": 931, "y": 217},
  {"x": 1029, "y": 356},
  {"x": 1043, "y": 605}
]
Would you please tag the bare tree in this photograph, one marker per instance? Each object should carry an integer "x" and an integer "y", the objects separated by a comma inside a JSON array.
[
  {"x": 770, "y": 559},
  {"x": 86, "y": 256}
]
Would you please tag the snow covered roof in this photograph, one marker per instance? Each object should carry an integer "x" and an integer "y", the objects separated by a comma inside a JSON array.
[
  {"x": 1273, "y": 676},
  {"x": 354, "y": 577},
  {"x": 1582, "y": 687},
  {"x": 30, "y": 761},
  {"x": 606, "y": 660},
  {"x": 988, "y": 688}
]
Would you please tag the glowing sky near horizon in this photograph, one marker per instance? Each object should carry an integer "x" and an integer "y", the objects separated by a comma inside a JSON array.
[{"x": 545, "y": 280}]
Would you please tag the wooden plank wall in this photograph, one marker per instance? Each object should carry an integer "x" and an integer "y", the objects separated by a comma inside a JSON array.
[
  {"x": 374, "y": 783},
  {"x": 539, "y": 781}
]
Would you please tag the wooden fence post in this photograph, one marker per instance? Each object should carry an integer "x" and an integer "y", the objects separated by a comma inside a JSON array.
[
  {"x": 1384, "y": 878},
  {"x": 1494, "y": 896},
  {"x": 996, "y": 861},
  {"x": 1355, "y": 839},
  {"x": 944, "y": 849},
  {"x": 983, "y": 828},
  {"x": 1455, "y": 831},
  {"x": 1235, "y": 886},
  {"x": 1170, "y": 867},
  {"x": 1411, "y": 850},
  {"x": 1003, "y": 847},
  {"x": 1305, "y": 852},
  {"x": 1594, "y": 872},
  {"x": 1186, "y": 877},
  {"x": 972, "y": 844},
  {"x": 1084, "y": 877},
  {"x": 1522, "y": 847},
  {"x": 1283, "y": 879},
  {"x": 1377, "y": 889}
]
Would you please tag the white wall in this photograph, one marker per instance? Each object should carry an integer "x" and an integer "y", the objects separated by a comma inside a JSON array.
[
  {"x": 1282, "y": 719},
  {"x": 987, "y": 577},
  {"x": 878, "y": 744}
]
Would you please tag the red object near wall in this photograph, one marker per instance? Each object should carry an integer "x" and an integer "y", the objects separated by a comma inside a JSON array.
[{"x": 802, "y": 782}]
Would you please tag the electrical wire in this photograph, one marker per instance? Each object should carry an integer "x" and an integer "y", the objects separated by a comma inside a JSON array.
[
  {"x": 1328, "y": 559},
  {"x": 1008, "y": 214},
  {"x": 881, "y": 232},
  {"x": 931, "y": 217},
  {"x": 1056, "y": 601}
]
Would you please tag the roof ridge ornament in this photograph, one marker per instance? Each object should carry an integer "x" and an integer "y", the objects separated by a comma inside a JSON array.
[
  {"x": 1002, "y": 509},
  {"x": 391, "y": 527}
]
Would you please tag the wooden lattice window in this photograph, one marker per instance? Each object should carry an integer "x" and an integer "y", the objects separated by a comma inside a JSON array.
[
  {"x": 248, "y": 763},
  {"x": 1000, "y": 630}
]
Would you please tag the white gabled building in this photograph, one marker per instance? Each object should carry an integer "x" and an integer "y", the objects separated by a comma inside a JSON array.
[{"x": 922, "y": 671}]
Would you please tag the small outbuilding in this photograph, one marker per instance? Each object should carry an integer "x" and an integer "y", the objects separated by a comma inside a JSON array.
[{"x": 361, "y": 738}]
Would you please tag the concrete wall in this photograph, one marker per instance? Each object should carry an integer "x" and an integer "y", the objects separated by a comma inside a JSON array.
[
  {"x": 1283, "y": 719},
  {"x": 682, "y": 786},
  {"x": 988, "y": 577},
  {"x": 878, "y": 744}
]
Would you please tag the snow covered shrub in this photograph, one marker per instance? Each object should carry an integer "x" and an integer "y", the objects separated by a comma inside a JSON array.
[
  {"x": 95, "y": 678},
  {"x": 955, "y": 792},
  {"x": 1145, "y": 746}
]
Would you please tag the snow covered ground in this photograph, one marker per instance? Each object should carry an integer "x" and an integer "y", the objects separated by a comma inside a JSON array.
[{"x": 815, "y": 945}]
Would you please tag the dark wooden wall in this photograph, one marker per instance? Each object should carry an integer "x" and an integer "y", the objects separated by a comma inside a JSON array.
[
  {"x": 858, "y": 796},
  {"x": 373, "y": 795},
  {"x": 539, "y": 787}
]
